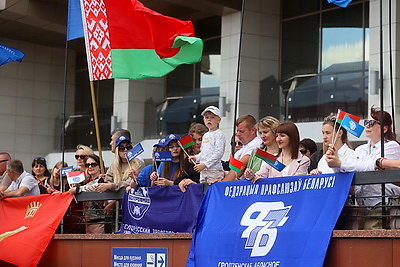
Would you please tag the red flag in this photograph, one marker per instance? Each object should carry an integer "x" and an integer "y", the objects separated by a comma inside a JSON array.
[
  {"x": 186, "y": 141},
  {"x": 126, "y": 40},
  {"x": 235, "y": 164},
  {"x": 340, "y": 116},
  {"x": 27, "y": 225}
]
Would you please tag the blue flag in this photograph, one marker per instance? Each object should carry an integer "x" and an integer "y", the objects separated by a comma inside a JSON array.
[
  {"x": 65, "y": 170},
  {"x": 162, "y": 156},
  {"x": 9, "y": 54},
  {"x": 341, "y": 3},
  {"x": 134, "y": 152},
  {"x": 285, "y": 221},
  {"x": 352, "y": 127},
  {"x": 145, "y": 209},
  {"x": 277, "y": 165},
  {"x": 75, "y": 25}
]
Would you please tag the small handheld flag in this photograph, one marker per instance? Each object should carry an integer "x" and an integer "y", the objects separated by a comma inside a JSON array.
[
  {"x": 160, "y": 156},
  {"x": 352, "y": 127},
  {"x": 9, "y": 54},
  {"x": 279, "y": 166},
  {"x": 235, "y": 164},
  {"x": 265, "y": 156},
  {"x": 186, "y": 141},
  {"x": 76, "y": 177},
  {"x": 340, "y": 116},
  {"x": 134, "y": 152},
  {"x": 66, "y": 170}
]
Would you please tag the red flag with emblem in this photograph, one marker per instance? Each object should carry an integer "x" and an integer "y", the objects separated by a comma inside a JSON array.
[{"x": 27, "y": 225}]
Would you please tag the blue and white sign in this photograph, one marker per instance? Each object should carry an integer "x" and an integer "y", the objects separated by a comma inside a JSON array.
[
  {"x": 161, "y": 156},
  {"x": 284, "y": 221},
  {"x": 134, "y": 152},
  {"x": 143, "y": 257}
]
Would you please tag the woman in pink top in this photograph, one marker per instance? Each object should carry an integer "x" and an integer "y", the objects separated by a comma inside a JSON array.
[{"x": 288, "y": 139}]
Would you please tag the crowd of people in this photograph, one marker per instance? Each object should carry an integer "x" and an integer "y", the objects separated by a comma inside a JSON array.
[{"x": 203, "y": 162}]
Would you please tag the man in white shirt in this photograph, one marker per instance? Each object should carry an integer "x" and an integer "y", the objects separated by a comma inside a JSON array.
[
  {"x": 246, "y": 131},
  {"x": 23, "y": 183}
]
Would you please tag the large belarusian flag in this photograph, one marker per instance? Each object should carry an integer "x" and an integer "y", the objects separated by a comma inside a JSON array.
[{"x": 126, "y": 40}]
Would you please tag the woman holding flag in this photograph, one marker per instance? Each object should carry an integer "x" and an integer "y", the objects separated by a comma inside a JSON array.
[
  {"x": 168, "y": 171},
  {"x": 333, "y": 132},
  {"x": 290, "y": 161},
  {"x": 367, "y": 157},
  {"x": 267, "y": 131}
]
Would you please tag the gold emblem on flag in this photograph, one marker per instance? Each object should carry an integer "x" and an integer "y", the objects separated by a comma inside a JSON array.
[{"x": 32, "y": 208}]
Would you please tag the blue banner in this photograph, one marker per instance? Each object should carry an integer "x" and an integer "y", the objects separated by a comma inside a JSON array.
[
  {"x": 134, "y": 152},
  {"x": 161, "y": 209},
  {"x": 284, "y": 221},
  {"x": 74, "y": 23}
]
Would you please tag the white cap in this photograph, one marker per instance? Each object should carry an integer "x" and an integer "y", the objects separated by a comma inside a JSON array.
[{"x": 213, "y": 110}]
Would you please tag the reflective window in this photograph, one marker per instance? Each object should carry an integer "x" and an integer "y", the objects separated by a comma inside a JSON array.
[{"x": 325, "y": 62}]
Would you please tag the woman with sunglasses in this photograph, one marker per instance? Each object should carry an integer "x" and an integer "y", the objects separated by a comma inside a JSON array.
[
  {"x": 41, "y": 173},
  {"x": 168, "y": 172},
  {"x": 81, "y": 153},
  {"x": 365, "y": 158},
  {"x": 93, "y": 211},
  {"x": 267, "y": 131},
  {"x": 288, "y": 139},
  {"x": 332, "y": 131}
]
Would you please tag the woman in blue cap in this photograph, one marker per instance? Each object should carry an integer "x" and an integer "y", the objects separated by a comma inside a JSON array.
[{"x": 168, "y": 172}]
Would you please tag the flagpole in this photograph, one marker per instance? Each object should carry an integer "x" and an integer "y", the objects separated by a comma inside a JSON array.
[
  {"x": 238, "y": 70},
  {"x": 96, "y": 124}
]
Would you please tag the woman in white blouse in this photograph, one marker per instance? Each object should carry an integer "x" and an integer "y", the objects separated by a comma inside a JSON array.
[
  {"x": 332, "y": 131},
  {"x": 366, "y": 158}
]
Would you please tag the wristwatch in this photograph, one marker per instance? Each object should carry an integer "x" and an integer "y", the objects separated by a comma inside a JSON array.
[{"x": 378, "y": 164}]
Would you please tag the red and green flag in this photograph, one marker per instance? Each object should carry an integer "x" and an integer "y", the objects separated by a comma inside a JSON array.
[
  {"x": 186, "y": 141},
  {"x": 126, "y": 40},
  {"x": 340, "y": 116},
  {"x": 235, "y": 164},
  {"x": 265, "y": 156}
]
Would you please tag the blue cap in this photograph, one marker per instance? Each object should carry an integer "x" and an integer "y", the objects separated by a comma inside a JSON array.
[
  {"x": 163, "y": 142},
  {"x": 121, "y": 139}
]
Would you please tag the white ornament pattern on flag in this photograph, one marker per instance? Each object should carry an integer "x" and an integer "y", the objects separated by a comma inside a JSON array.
[{"x": 97, "y": 39}]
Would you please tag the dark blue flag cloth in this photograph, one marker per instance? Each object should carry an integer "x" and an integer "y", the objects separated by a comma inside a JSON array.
[
  {"x": 134, "y": 152},
  {"x": 341, "y": 3},
  {"x": 352, "y": 127},
  {"x": 9, "y": 54},
  {"x": 162, "y": 156},
  {"x": 284, "y": 221},
  {"x": 161, "y": 209},
  {"x": 75, "y": 26}
]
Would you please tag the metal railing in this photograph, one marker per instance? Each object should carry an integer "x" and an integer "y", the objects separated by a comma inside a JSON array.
[{"x": 352, "y": 217}]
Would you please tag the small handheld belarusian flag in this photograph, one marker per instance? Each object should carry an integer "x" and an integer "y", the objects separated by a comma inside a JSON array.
[
  {"x": 265, "y": 156},
  {"x": 352, "y": 126},
  {"x": 340, "y": 116},
  {"x": 186, "y": 141},
  {"x": 235, "y": 164},
  {"x": 160, "y": 156},
  {"x": 76, "y": 177},
  {"x": 270, "y": 159},
  {"x": 134, "y": 152}
]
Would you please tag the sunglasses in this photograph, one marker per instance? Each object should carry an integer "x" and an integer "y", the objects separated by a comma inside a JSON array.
[
  {"x": 93, "y": 164},
  {"x": 370, "y": 123},
  {"x": 80, "y": 157},
  {"x": 303, "y": 151},
  {"x": 39, "y": 158},
  {"x": 332, "y": 119},
  {"x": 236, "y": 144},
  {"x": 123, "y": 148}
]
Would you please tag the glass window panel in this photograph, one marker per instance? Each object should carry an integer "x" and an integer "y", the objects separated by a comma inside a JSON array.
[{"x": 292, "y": 8}]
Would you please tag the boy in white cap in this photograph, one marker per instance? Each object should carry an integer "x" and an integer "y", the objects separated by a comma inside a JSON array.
[{"x": 212, "y": 147}]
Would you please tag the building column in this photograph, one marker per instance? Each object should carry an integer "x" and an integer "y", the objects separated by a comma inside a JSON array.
[{"x": 259, "y": 57}]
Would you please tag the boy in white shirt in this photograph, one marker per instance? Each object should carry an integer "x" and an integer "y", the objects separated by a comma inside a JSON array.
[{"x": 212, "y": 148}]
